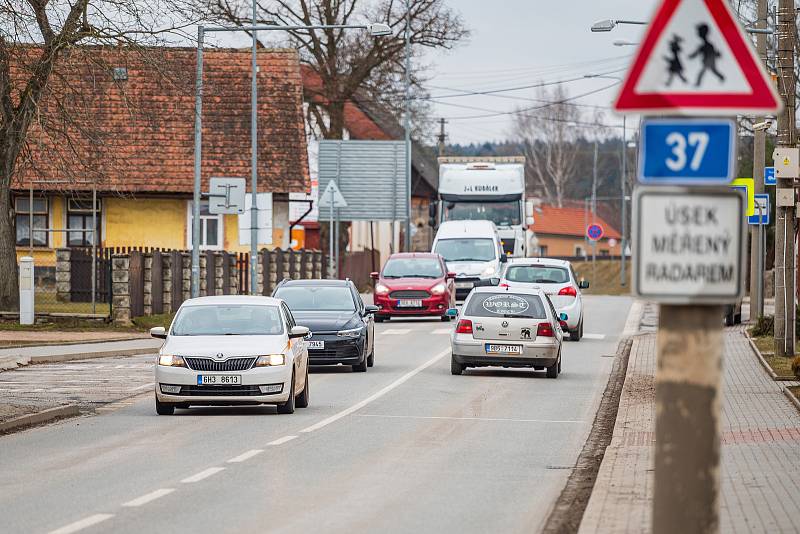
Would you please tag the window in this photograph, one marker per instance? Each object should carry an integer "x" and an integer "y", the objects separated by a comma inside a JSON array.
[
  {"x": 504, "y": 213},
  {"x": 467, "y": 249},
  {"x": 317, "y": 298},
  {"x": 22, "y": 207},
  {"x": 580, "y": 251},
  {"x": 537, "y": 274},
  {"x": 413, "y": 268},
  {"x": 605, "y": 253},
  {"x": 218, "y": 320},
  {"x": 505, "y": 305},
  {"x": 211, "y": 235},
  {"x": 79, "y": 217},
  {"x": 543, "y": 250}
]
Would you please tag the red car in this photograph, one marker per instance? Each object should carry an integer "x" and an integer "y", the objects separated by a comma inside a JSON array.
[{"x": 414, "y": 284}]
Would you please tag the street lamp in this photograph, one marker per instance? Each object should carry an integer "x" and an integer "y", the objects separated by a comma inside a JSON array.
[
  {"x": 622, "y": 276},
  {"x": 375, "y": 29},
  {"x": 623, "y": 42},
  {"x": 609, "y": 24}
]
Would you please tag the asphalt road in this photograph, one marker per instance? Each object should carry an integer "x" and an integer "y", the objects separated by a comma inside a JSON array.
[{"x": 406, "y": 447}]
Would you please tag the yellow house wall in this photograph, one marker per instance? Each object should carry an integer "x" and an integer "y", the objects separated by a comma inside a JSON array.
[
  {"x": 145, "y": 222},
  {"x": 565, "y": 245}
]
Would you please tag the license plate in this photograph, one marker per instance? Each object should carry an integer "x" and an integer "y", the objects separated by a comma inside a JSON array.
[
  {"x": 219, "y": 380},
  {"x": 463, "y": 285},
  {"x": 316, "y": 344},
  {"x": 503, "y": 349},
  {"x": 409, "y": 303}
]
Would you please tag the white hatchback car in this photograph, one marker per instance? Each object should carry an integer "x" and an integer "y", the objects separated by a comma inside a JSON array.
[
  {"x": 509, "y": 328},
  {"x": 232, "y": 350},
  {"x": 557, "y": 279}
]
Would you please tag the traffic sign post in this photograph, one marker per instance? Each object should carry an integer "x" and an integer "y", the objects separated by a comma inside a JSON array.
[
  {"x": 687, "y": 151},
  {"x": 761, "y": 211},
  {"x": 332, "y": 199},
  {"x": 688, "y": 241}
]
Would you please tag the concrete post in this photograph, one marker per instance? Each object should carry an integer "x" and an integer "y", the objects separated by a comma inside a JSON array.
[{"x": 26, "y": 290}]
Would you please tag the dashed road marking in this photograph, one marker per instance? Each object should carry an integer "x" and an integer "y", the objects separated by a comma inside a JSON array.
[
  {"x": 377, "y": 395},
  {"x": 281, "y": 441},
  {"x": 82, "y": 524},
  {"x": 488, "y": 419},
  {"x": 396, "y": 331},
  {"x": 202, "y": 474},
  {"x": 153, "y": 495},
  {"x": 594, "y": 336},
  {"x": 245, "y": 456},
  {"x": 442, "y": 331}
]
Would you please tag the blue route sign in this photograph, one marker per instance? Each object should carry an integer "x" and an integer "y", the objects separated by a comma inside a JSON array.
[
  {"x": 594, "y": 232},
  {"x": 763, "y": 201},
  {"x": 687, "y": 151},
  {"x": 769, "y": 176}
]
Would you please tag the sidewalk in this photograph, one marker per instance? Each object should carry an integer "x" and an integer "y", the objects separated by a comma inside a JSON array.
[
  {"x": 15, "y": 357},
  {"x": 760, "y": 471}
]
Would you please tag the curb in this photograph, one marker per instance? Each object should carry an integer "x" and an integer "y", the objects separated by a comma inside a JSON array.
[
  {"x": 67, "y": 343},
  {"x": 791, "y": 397},
  {"x": 58, "y": 358},
  {"x": 764, "y": 363},
  {"x": 45, "y": 416}
]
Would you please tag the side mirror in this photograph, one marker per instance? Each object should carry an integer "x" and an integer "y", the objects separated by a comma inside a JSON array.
[
  {"x": 563, "y": 316},
  {"x": 503, "y": 258},
  {"x": 529, "y": 209},
  {"x": 374, "y": 276},
  {"x": 529, "y": 221},
  {"x": 452, "y": 312},
  {"x": 488, "y": 282},
  {"x": 158, "y": 332},
  {"x": 371, "y": 309},
  {"x": 451, "y": 276},
  {"x": 432, "y": 210},
  {"x": 298, "y": 331},
  {"x": 583, "y": 284}
]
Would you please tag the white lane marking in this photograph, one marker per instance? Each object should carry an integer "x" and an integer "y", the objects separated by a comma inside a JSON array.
[
  {"x": 396, "y": 331},
  {"x": 153, "y": 495},
  {"x": 245, "y": 456},
  {"x": 143, "y": 386},
  {"x": 492, "y": 419},
  {"x": 82, "y": 524},
  {"x": 202, "y": 474},
  {"x": 377, "y": 395},
  {"x": 442, "y": 331},
  {"x": 281, "y": 441},
  {"x": 634, "y": 318},
  {"x": 594, "y": 336}
]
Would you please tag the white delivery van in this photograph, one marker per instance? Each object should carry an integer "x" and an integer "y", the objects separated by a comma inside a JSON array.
[{"x": 472, "y": 250}]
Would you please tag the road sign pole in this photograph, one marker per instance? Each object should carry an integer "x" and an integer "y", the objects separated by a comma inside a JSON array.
[
  {"x": 759, "y": 272},
  {"x": 686, "y": 483},
  {"x": 330, "y": 238}
]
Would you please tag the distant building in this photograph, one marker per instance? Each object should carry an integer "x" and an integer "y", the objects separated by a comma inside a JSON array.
[{"x": 562, "y": 232}]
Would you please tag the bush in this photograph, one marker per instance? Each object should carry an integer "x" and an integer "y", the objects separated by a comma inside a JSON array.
[
  {"x": 796, "y": 366},
  {"x": 765, "y": 326}
]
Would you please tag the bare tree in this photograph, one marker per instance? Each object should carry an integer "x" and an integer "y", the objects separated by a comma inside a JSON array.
[
  {"x": 34, "y": 36},
  {"x": 347, "y": 61},
  {"x": 549, "y": 137}
]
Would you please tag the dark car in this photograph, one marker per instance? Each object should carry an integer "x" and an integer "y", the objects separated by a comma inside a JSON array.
[
  {"x": 414, "y": 284},
  {"x": 342, "y": 327}
]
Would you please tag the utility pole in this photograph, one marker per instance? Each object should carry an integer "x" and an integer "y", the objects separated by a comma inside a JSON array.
[
  {"x": 442, "y": 136},
  {"x": 785, "y": 220},
  {"x": 622, "y": 182},
  {"x": 254, "y": 161},
  {"x": 407, "y": 127},
  {"x": 594, "y": 210},
  {"x": 759, "y": 149}
]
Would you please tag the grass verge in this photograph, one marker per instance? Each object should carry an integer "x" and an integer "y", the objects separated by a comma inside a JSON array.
[
  {"x": 781, "y": 366},
  {"x": 603, "y": 277},
  {"x": 794, "y": 390}
]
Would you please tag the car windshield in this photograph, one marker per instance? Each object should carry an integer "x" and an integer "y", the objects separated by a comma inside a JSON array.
[
  {"x": 317, "y": 298},
  {"x": 413, "y": 268},
  {"x": 233, "y": 320},
  {"x": 536, "y": 274},
  {"x": 467, "y": 249},
  {"x": 505, "y": 305},
  {"x": 501, "y": 213}
]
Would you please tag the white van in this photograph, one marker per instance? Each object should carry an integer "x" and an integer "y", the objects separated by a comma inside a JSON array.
[{"x": 472, "y": 250}]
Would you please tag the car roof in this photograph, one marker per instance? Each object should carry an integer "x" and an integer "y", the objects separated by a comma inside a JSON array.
[
  {"x": 414, "y": 255},
  {"x": 518, "y": 290},
  {"x": 458, "y": 228},
  {"x": 549, "y": 262},
  {"x": 316, "y": 282},
  {"x": 228, "y": 300}
]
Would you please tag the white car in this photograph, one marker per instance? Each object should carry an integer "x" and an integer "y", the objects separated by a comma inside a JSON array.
[
  {"x": 557, "y": 279},
  {"x": 501, "y": 326},
  {"x": 232, "y": 350}
]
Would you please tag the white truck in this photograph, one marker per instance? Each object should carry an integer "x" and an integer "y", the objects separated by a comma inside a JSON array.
[{"x": 487, "y": 188}]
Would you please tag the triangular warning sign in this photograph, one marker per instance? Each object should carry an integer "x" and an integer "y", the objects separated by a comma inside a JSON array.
[
  {"x": 332, "y": 196},
  {"x": 695, "y": 59}
]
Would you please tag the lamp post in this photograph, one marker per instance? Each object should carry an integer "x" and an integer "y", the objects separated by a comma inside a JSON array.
[
  {"x": 375, "y": 29},
  {"x": 623, "y": 175},
  {"x": 407, "y": 125}
]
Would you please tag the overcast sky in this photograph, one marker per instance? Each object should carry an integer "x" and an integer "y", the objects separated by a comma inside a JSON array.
[{"x": 523, "y": 42}]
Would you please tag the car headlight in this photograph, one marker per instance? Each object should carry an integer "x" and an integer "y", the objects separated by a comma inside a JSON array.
[
  {"x": 271, "y": 360},
  {"x": 381, "y": 289},
  {"x": 439, "y": 289},
  {"x": 169, "y": 360},
  {"x": 353, "y": 332},
  {"x": 489, "y": 271}
]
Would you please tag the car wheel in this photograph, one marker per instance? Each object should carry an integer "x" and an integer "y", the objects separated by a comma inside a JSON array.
[
  {"x": 361, "y": 367},
  {"x": 288, "y": 406},
  {"x": 552, "y": 371},
  {"x": 575, "y": 335},
  {"x": 455, "y": 367},
  {"x": 164, "y": 408},
  {"x": 737, "y": 319},
  {"x": 379, "y": 319},
  {"x": 445, "y": 318},
  {"x": 559, "y": 365},
  {"x": 729, "y": 319},
  {"x": 371, "y": 358},
  {"x": 301, "y": 401}
]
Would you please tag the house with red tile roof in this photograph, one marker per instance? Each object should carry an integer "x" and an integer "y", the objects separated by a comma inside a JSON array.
[
  {"x": 123, "y": 123},
  {"x": 561, "y": 231}
]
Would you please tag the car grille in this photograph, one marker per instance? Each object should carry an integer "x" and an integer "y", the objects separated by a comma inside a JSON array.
[
  {"x": 410, "y": 294},
  {"x": 232, "y": 364},
  {"x": 220, "y": 391},
  {"x": 333, "y": 354},
  {"x": 508, "y": 246}
]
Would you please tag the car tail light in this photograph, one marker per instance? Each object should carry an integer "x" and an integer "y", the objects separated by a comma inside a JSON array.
[
  {"x": 464, "y": 327},
  {"x": 569, "y": 291},
  {"x": 545, "y": 330},
  {"x": 503, "y": 285}
]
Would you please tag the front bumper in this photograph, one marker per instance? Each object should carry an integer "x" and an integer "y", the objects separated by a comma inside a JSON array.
[
  {"x": 191, "y": 393},
  {"x": 344, "y": 350},
  {"x": 435, "y": 305},
  {"x": 464, "y": 286},
  {"x": 472, "y": 352}
]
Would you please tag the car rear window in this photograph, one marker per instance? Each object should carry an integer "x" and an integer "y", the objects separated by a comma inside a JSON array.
[
  {"x": 505, "y": 304},
  {"x": 537, "y": 274}
]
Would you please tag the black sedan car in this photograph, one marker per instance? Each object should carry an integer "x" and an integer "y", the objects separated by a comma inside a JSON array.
[{"x": 342, "y": 327}]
